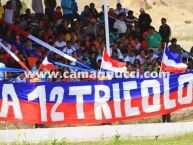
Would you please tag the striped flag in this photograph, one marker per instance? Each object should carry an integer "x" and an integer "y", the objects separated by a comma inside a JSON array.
[
  {"x": 172, "y": 62},
  {"x": 112, "y": 65},
  {"x": 47, "y": 65}
]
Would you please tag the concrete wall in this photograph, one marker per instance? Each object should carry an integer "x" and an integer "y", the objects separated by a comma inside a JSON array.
[{"x": 95, "y": 132}]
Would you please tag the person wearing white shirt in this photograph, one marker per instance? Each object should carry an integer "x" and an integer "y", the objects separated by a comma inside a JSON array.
[
  {"x": 130, "y": 57},
  {"x": 60, "y": 43},
  {"x": 119, "y": 53},
  {"x": 125, "y": 55},
  {"x": 9, "y": 13},
  {"x": 120, "y": 24},
  {"x": 16, "y": 5},
  {"x": 152, "y": 55},
  {"x": 141, "y": 57},
  {"x": 120, "y": 10},
  {"x": 69, "y": 49}
]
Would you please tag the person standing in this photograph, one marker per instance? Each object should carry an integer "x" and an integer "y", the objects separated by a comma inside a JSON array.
[
  {"x": 120, "y": 10},
  {"x": 9, "y": 15},
  {"x": 49, "y": 8},
  {"x": 37, "y": 6},
  {"x": 93, "y": 27},
  {"x": 17, "y": 6},
  {"x": 75, "y": 9},
  {"x": 154, "y": 39},
  {"x": 165, "y": 31},
  {"x": 67, "y": 8},
  {"x": 120, "y": 24},
  {"x": 93, "y": 10},
  {"x": 144, "y": 20}
]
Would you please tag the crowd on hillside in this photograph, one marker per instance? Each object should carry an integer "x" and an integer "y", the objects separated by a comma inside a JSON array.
[{"x": 82, "y": 35}]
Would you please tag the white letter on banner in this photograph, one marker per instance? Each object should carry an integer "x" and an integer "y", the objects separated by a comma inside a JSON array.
[
  {"x": 79, "y": 92},
  {"x": 187, "y": 78},
  {"x": 101, "y": 102},
  {"x": 155, "y": 85},
  {"x": 117, "y": 100},
  {"x": 40, "y": 93},
  {"x": 129, "y": 110},
  {"x": 169, "y": 104},
  {"x": 57, "y": 92},
  {"x": 8, "y": 89}
]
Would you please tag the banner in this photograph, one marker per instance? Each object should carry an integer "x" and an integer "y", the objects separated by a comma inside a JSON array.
[{"x": 94, "y": 102}]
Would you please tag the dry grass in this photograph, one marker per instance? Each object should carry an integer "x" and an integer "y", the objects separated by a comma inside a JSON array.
[{"x": 118, "y": 140}]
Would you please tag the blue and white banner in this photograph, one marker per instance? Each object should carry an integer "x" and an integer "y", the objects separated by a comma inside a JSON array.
[{"x": 94, "y": 102}]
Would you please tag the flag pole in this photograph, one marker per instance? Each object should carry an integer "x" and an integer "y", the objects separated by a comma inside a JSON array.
[
  {"x": 102, "y": 58},
  {"x": 162, "y": 57},
  {"x": 22, "y": 64},
  {"x": 106, "y": 18}
]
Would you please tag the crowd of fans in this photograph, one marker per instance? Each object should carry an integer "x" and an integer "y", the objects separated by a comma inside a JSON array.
[{"x": 82, "y": 35}]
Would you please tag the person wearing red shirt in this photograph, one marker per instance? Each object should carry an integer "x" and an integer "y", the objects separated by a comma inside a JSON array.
[
  {"x": 49, "y": 34},
  {"x": 57, "y": 14},
  {"x": 144, "y": 43}
]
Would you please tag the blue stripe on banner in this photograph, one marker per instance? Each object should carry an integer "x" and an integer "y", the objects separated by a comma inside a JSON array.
[
  {"x": 115, "y": 86},
  {"x": 28, "y": 51}
]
